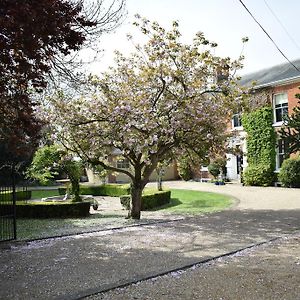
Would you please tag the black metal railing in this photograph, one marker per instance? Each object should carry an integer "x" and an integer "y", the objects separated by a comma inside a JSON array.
[{"x": 8, "y": 213}]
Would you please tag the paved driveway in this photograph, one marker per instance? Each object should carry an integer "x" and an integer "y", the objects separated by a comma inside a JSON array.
[{"x": 77, "y": 266}]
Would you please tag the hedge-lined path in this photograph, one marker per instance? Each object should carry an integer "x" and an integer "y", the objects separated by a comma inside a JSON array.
[
  {"x": 108, "y": 204},
  {"x": 76, "y": 266}
]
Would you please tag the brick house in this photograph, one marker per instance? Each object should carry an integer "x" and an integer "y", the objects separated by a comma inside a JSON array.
[{"x": 276, "y": 86}]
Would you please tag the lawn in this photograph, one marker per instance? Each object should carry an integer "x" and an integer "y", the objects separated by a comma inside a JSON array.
[
  {"x": 182, "y": 202},
  {"x": 39, "y": 194},
  {"x": 195, "y": 202}
]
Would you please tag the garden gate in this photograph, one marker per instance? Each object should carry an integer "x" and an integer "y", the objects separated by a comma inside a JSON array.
[{"x": 7, "y": 213}]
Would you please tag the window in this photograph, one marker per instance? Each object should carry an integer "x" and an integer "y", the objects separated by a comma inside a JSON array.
[
  {"x": 280, "y": 102},
  {"x": 123, "y": 164},
  {"x": 281, "y": 152},
  {"x": 237, "y": 120}
]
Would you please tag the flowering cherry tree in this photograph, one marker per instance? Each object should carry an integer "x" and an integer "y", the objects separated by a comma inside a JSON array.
[{"x": 165, "y": 100}]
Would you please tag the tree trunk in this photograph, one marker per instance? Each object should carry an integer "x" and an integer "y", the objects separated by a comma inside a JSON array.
[
  {"x": 136, "y": 201},
  {"x": 160, "y": 173},
  {"x": 75, "y": 190},
  {"x": 138, "y": 183}
]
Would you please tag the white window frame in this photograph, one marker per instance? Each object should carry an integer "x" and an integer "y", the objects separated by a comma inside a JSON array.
[
  {"x": 239, "y": 116},
  {"x": 281, "y": 102},
  {"x": 280, "y": 154}
]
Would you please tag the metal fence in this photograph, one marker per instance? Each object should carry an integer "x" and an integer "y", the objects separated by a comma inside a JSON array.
[{"x": 7, "y": 213}]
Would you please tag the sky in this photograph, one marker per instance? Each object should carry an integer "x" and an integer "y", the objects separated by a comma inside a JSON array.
[{"x": 225, "y": 22}]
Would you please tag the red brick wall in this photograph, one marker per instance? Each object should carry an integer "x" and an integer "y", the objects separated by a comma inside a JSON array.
[{"x": 291, "y": 89}]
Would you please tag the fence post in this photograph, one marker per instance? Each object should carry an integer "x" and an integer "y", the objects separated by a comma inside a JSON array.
[{"x": 14, "y": 201}]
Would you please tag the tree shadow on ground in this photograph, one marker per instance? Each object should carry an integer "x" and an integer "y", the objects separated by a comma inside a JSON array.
[
  {"x": 173, "y": 202},
  {"x": 138, "y": 252},
  {"x": 251, "y": 224}
]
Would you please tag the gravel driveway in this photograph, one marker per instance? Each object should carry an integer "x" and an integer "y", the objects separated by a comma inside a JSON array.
[
  {"x": 80, "y": 266},
  {"x": 249, "y": 197},
  {"x": 270, "y": 271}
]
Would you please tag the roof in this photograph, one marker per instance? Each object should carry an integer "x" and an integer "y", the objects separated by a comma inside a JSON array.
[{"x": 277, "y": 75}]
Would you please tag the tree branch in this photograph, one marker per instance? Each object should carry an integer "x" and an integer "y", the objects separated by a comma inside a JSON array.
[
  {"x": 160, "y": 92},
  {"x": 94, "y": 161}
]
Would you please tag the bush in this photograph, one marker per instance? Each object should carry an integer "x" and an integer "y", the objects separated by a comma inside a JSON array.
[
  {"x": 258, "y": 175},
  {"x": 51, "y": 210},
  {"x": 114, "y": 190},
  {"x": 20, "y": 195},
  {"x": 149, "y": 201},
  {"x": 157, "y": 199},
  {"x": 214, "y": 169},
  {"x": 289, "y": 174}
]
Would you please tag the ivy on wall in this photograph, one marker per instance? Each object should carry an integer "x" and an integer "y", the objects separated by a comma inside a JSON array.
[
  {"x": 261, "y": 137},
  {"x": 261, "y": 140}
]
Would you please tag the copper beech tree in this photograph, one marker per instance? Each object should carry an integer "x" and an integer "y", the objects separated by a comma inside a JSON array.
[
  {"x": 167, "y": 99},
  {"x": 35, "y": 35}
]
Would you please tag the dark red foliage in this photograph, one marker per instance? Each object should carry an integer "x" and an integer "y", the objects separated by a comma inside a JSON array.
[{"x": 32, "y": 33}]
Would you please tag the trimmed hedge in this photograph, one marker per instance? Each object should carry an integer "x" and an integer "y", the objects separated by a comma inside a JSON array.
[
  {"x": 20, "y": 195},
  {"x": 157, "y": 199},
  {"x": 114, "y": 190},
  {"x": 149, "y": 201},
  {"x": 51, "y": 210}
]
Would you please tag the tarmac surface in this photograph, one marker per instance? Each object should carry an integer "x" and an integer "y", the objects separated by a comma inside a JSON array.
[{"x": 88, "y": 264}]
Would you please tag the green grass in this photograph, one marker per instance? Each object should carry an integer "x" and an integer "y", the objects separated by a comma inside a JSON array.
[
  {"x": 39, "y": 194},
  {"x": 195, "y": 202}
]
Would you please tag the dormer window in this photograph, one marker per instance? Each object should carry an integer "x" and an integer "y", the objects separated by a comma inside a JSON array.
[{"x": 280, "y": 104}]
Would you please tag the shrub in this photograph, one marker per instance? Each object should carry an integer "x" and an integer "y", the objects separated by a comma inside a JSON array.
[
  {"x": 150, "y": 200},
  {"x": 51, "y": 210},
  {"x": 214, "y": 169},
  {"x": 157, "y": 199},
  {"x": 45, "y": 166},
  {"x": 114, "y": 190},
  {"x": 258, "y": 175},
  {"x": 289, "y": 174}
]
